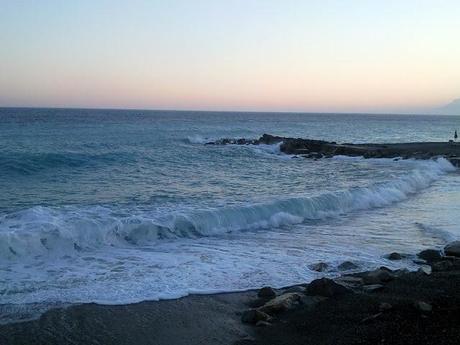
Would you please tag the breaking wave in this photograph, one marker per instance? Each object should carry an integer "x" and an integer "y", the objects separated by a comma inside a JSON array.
[
  {"x": 197, "y": 139},
  {"x": 62, "y": 231}
]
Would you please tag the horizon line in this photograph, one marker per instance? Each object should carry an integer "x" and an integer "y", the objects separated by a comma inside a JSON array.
[{"x": 227, "y": 111}]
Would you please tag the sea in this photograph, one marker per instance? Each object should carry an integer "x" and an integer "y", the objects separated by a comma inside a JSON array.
[{"x": 122, "y": 206}]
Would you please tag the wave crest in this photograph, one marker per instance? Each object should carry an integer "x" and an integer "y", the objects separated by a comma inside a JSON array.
[{"x": 41, "y": 230}]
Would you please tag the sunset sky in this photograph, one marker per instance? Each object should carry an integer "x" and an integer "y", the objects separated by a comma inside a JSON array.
[{"x": 329, "y": 56}]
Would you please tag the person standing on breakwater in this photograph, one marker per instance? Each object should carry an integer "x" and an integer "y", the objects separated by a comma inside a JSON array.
[{"x": 455, "y": 135}]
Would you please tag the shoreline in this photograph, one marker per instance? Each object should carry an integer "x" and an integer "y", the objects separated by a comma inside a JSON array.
[
  {"x": 363, "y": 307},
  {"x": 358, "y": 307}
]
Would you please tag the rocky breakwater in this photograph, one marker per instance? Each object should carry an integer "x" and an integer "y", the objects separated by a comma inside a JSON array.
[{"x": 310, "y": 148}]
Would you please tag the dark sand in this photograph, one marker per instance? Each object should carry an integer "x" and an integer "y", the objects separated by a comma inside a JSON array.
[{"x": 196, "y": 319}]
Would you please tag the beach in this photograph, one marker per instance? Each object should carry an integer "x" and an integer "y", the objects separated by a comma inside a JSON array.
[{"x": 394, "y": 307}]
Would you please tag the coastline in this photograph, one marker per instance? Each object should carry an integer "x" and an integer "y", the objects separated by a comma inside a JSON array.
[{"x": 370, "y": 307}]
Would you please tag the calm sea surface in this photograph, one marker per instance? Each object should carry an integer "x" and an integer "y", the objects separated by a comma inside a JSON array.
[{"x": 122, "y": 206}]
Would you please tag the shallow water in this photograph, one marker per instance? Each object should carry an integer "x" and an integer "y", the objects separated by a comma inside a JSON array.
[{"x": 123, "y": 206}]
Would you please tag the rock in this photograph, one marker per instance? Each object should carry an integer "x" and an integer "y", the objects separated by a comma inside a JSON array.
[
  {"x": 346, "y": 266},
  {"x": 453, "y": 249},
  {"x": 383, "y": 268},
  {"x": 326, "y": 287},
  {"x": 266, "y": 292},
  {"x": 297, "y": 288},
  {"x": 319, "y": 267},
  {"x": 263, "y": 324},
  {"x": 385, "y": 306},
  {"x": 443, "y": 265},
  {"x": 401, "y": 272},
  {"x": 419, "y": 262},
  {"x": 423, "y": 307},
  {"x": 371, "y": 318},
  {"x": 394, "y": 256},
  {"x": 424, "y": 269},
  {"x": 253, "y": 316},
  {"x": 430, "y": 255},
  {"x": 349, "y": 281},
  {"x": 372, "y": 287},
  {"x": 281, "y": 303},
  {"x": 378, "y": 276},
  {"x": 246, "y": 341}
]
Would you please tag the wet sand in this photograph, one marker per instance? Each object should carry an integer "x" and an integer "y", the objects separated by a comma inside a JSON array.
[{"x": 195, "y": 319}]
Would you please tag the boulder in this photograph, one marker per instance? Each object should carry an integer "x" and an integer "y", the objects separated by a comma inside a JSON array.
[
  {"x": 263, "y": 323},
  {"x": 373, "y": 287},
  {"x": 253, "y": 316},
  {"x": 423, "y": 306},
  {"x": 453, "y": 249},
  {"x": 349, "y": 281},
  {"x": 401, "y": 272},
  {"x": 346, "y": 266},
  {"x": 296, "y": 288},
  {"x": 326, "y": 287},
  {"x": 266, "y": 292},
  {"x": 443, "y": 265},
  {"x": 319, "y": 267},
  {"x": 246, "y": 341},
  {"x": 430, "y": 255},
  {"x": 394, "y": 256},
  {"x": 424, "y": 269},
  {"x": 384, "y": 306},
  {"x": 378, "y": 276},
  {"x": 281, "y": 303}
]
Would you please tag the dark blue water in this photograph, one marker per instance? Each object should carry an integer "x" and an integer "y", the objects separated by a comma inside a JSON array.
[{"x": 120, "y": 206}]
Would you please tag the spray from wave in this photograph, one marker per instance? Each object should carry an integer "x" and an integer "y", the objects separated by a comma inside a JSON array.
[
  {"x": 197, "y": 139},
  {"x": 42, "y": 230}
]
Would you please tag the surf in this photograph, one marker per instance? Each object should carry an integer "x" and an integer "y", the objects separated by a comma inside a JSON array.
[{"x": 63, "y": 231}]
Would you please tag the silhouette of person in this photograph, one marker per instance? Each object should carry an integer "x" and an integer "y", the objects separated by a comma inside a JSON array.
[{"x": 455, "y": 135}]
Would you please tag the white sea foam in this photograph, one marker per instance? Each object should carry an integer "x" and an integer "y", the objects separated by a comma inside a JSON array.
[
  {"x": 42, "y": 230},
  {"x": 436, "y": 232}
]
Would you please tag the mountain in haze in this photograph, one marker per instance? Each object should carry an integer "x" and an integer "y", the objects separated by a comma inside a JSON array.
[{"x": 452, "y": 108}]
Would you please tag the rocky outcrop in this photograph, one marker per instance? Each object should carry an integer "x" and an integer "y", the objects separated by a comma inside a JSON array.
[
  {"x": 319, "y": 267},
  {"x": 310, "y": 148},
  {"x": 347, "y": 266},
  {"x": 281, "y": 303},
  {"x": 327, "y": 288},
  {"x": 253, "y": 316},
  {"x": 378, "y": 276},
  {"x": 430, "y": 255},
  {"x": 453, "y": 249},
  {"x": 266, "y": 293},
  {"x": 394, "y": 256}
]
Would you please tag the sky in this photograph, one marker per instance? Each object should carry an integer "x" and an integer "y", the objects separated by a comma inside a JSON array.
[{"x": 314, "y": 56}]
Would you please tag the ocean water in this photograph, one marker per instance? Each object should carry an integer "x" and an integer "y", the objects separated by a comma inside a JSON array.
[{"x": 122, "y": 206}]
